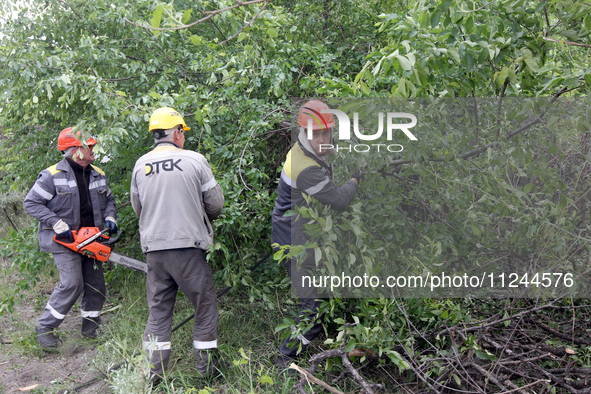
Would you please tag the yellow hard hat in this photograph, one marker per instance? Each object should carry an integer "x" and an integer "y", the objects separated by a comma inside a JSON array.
[{"x": 166, "y": 118}]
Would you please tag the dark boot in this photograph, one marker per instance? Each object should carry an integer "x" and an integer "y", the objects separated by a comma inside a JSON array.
[
  {"x": 46, "y": 337},
  {"x": 90, "y": 327},
  {"x": 292, "y": 348},
  {"x": 209, "y": 363},
  {"x": 159, "y": 363}
]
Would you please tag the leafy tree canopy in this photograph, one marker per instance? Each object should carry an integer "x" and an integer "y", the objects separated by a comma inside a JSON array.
[{"x": 493, "y": 192}]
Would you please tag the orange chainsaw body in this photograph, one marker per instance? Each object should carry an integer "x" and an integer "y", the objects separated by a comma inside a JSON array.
[{"x": 94, "y": 249}]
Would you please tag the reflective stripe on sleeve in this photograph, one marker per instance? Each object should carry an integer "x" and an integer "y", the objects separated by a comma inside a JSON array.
[
  {"x": 202, "y": 345},
  {"x": 42, "y": 192},
  {"x": 157, "y": 345},
  {"x": 286, "y": 178},
  {"x": 315, "y": 189},
  {"x": 54, "y": 313},
  {"x": 209, "y": 185}
]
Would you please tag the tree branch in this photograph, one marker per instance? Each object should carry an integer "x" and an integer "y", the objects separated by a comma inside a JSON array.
[
  {"x": 210, "y": 14},
  {"x": 477, "y": 151},
  {"x": 249, "y": 22},
  {"x": 567, "y": 42}
]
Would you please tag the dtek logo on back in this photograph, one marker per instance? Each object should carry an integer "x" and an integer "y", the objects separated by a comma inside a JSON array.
[
  {"x": 163, "y": 165},
  {"x": 344, "y": 126}
]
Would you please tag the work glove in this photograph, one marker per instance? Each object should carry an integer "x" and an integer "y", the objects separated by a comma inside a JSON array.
[
  {"x": 111, "y": 224},
  {"x": 63, "y": 232},
  {"x": 358, "y": 175}
]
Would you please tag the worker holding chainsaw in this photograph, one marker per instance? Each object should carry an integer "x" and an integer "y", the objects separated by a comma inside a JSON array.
[
  {"x": 306, "y": 172},
  {"x": 175, "y": 196},
  {"x": 67, "y": 196}
]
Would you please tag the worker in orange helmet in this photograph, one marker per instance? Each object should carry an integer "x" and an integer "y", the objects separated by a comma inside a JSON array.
[
  {"x": 67, "y": 196},
  {"x": 306, "y": 172}
]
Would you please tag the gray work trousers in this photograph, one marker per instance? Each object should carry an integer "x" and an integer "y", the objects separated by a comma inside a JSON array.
[
  {"x": 78, "y": 275},
  {"x": 169, "y": 270}
]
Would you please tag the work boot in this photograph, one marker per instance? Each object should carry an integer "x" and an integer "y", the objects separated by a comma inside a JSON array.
[
  {"x": 90, "y": 327},
  {"x": 159, "y": 363},
  {"x": 46, "y": 337},
  {"x": 209, "y": 363}
]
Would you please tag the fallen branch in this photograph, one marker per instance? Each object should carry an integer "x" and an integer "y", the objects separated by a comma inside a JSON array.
[
  {"x": 571, "y": 338},
  {"x": 308, "y": 376},
  {"x": 347, "y": 363},
  {"x": 520, "y": 389},
  {"x": 487, "y": 375},
  {"x": 477, "y": 326}
]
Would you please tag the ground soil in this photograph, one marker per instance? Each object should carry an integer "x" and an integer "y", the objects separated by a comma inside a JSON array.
[{"x": 25, "y": 367}]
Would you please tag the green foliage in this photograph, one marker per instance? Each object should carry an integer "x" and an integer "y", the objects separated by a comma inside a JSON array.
[
  {"x": 458, "y": 49},
  {"x": 21, "y": 248},
  {"x": 520, "y": 197}
]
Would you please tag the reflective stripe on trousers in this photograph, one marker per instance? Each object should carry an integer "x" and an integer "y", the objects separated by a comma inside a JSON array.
[{"x": 78, "y": 275}]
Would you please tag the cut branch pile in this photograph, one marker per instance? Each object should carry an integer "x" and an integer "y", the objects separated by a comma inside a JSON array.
[{"x": 524, "y": 347}]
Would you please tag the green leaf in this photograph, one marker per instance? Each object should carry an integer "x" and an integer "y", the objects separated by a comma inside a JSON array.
[
  {"x": 435, "y": 18},
  {"x": 243, "y": 354},
  {"x": 278, "y": 255},
  {"x": 528, "y": 188},
  {"x": 484, "y": 356},
  {"x": 563, "y": 201},
  {"x": 404, "y": 62},
  {"x": 186, "y": 16},
  {"x": 531, "y": 64},
  {"x": 157, "y": 16},
  {"x": 317, "y": 255},
  {"x": 469, "y": 25},
  {"x": 350, "y": 346},
  {"x": 196, "y": 40}
]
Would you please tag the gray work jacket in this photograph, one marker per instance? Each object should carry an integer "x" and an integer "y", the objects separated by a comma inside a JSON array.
[
  {"x": 175, "y": 195},
  {"x": 55, "y": 196}
]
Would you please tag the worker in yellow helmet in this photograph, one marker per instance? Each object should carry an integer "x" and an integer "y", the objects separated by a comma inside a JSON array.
[{"x": 175, "y": 196}]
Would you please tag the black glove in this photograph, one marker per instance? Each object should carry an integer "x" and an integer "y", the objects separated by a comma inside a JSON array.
[
  {"x": 358, "y": 175},
  {"x": 112, "y": 226},
  {"x": 65, "y": 236}
]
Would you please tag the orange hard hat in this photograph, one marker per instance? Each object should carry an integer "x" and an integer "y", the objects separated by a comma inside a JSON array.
[
  {"x": 311, "y": 111},
  {"x": 68, "y": 138}
]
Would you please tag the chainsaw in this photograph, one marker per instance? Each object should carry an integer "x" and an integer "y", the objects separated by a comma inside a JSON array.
[{"x": 96, "y": 244}]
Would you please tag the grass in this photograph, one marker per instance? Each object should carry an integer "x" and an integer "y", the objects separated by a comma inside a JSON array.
[
  {"x": 246, "y": 337},
  {"x": 246, "y": 343}
]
